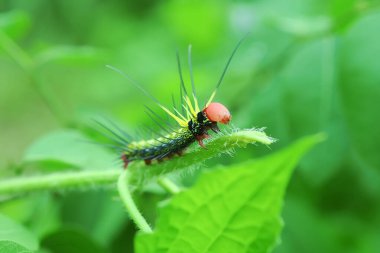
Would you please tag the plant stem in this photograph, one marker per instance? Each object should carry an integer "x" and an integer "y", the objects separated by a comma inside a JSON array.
[
  {"x": 130, "y": 205},
  {"x": 168, "y": 185},
  {"x": 58, "y": 181},
  {"x": 220, "y": 144}
]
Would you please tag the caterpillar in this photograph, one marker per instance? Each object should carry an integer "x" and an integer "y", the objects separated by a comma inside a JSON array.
[{"x": 193, "y": 123}]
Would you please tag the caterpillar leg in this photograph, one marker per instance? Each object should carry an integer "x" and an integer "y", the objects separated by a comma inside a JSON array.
[
  {"x": 124, "y": 158},
  {"x": 215, "y": 128},
  {"x": 200, "y": 139}
]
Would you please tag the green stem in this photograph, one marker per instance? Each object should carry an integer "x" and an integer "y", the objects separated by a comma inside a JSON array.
[
  {"x": 58, "y": 181},
  {"x": 221, "y": 143},
  {"x": 126, "y": 197},
  {"x": 168, "y": 185}
]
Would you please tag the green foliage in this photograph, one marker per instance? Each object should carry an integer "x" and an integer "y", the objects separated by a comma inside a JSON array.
[
  {"x": 306, "y": 67},
  {"x": 12, "y": 247},
  {"x": 70, "y": 240},
  {"x": 51, "y": 151},
  {"x": 78, "y": 241},
  {"x": 46, "y": 152},
  {"x": 228, "y": 210},
  {"x": 14, "y": 23},
  {"x": 357, "y": 102},
  {"x": 14, "y": 236}
]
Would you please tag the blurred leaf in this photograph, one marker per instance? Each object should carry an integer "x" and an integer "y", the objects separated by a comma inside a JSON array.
[
  {"x": 46, "y": 215},
  {"x": 360, "y": 87},
  {"x": 70, "y": 240},
  {"x": 236, "y": 208},
  {"x": 303, "y": 226},
  {"x": 99, "y": 214},
  {"x": 316, "y": 88},
  {"x": 40, "y": 212},
  {"x": 308, "y": 79},
  {"x": 19, "y": 209},
  {"x": 14, "y": 23},
  {"x": 340, "y": 8},
  {"x": 70, "y": 55},
  {"x": 68, "y": 147},
  {"x": 203, "y": 18},
  {"x": 11, "y": 231},
  {"x": 12, "y": 247},
  {"x": 304, "y": 27},
  {"x": 345, "y": 12}
]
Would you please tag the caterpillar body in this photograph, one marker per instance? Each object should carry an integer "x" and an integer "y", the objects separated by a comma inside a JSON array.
[
  {"x": 193, "y": 123},
  {"x": 174, "y": 143}
]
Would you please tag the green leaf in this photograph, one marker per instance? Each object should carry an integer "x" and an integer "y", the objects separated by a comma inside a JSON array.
[
  {"x": 11, "y": 231},
  {"x": 228, "y": 210},
  {"x": 99, "y": 213},
  {"x": 14, "y": 23},
  {"x": 303, "y": 225},
  {"x": 360, "y": 87},
  {"x": 68, "y": 149},
  {"x": 70, "y": 240},
  {"x": 320, "y": 111},
  {"x": 12, "y": 247}
]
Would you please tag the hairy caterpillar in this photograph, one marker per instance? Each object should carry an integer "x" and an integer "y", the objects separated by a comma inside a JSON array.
[{"x": 192, "y": 122}]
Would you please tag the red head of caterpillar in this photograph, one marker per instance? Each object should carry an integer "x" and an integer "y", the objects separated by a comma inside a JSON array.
[
  {"x": 216, "y": 112},
  {"x": 192, "y": 123}
]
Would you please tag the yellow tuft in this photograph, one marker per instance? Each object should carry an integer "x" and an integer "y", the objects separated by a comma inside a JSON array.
[
  {"x": 190, "y": 106},
  {"x": 191, "y": 111},
  {"x": 181, "y": 122},
  {"x": 211, "y": 98},
  {"x": 196, "y": 105},
  {"x": 180, "y": 115},
  {"x": 188, "y": 114}
]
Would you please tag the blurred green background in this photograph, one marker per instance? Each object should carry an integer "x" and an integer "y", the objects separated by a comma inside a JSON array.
[{"x": 307, "y": 66}]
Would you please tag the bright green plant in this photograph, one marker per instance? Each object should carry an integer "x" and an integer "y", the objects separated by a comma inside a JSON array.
[
  {"x": 307, "y": 67},
  {"x": 236, "y": 208}
]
